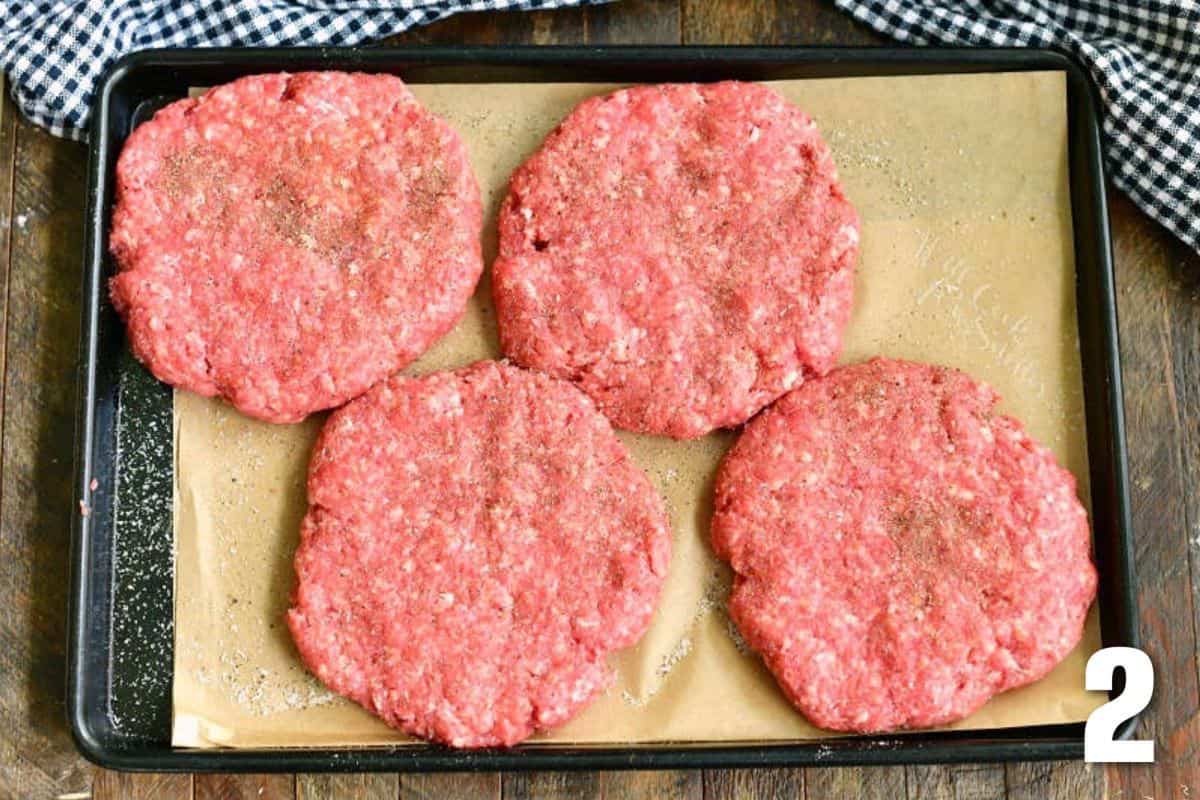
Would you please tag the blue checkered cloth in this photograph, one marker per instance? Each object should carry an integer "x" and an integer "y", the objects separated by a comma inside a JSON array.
[
  {"x": 54, "y": 51},
  {"x": 1144, "y": 55}
]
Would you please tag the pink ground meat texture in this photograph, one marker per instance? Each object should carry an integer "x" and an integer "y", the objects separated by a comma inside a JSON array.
[
  {"x": 683, "y": 253},
  {"x": 285, "y": 241},
  {"x": 902, "y": 553},
  {"x": 477, "y": 542}
]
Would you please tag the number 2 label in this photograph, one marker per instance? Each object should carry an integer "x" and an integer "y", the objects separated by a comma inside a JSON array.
[{"x": 1099, "y": 744}]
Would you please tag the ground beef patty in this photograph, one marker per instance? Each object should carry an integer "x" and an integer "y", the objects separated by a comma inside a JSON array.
[
  {"x": 476, "y": 543},
  {"x": 683, "y": 253},
  {"x": 902, "y": 553},
  {"x": 285, "y": 241}
]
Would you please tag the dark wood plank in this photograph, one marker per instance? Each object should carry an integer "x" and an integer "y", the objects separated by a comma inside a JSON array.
[
  {"x": 8, "y": 222},
  {"x": 8, "y": 162},
  {"x": 627, "y": 22},
  {"x": 1054, "y": 780},
  {"x": 244, "y": 787},
  {"x": 635, "y": 22},
  {"x": 561, "y": 26},
  {"x": 141, "y": 786},
  {"x": 750, "y": 784},
  {"x": 552, "y": 786},
  {"x": 36, "y": 501},
  {"x": 864, "y": 783},
  {"x": 463, "y": 785},
  {"x": 664, "y": 785},
  {"x": 771, "y": 22},
  {"x": 347, "y": 787},
  {"x": 8, "y": 752},
  {"x": 1159, "y": 299},
  {"x": 957, "y": 782},
  {"x": 1182, "y": 740}
]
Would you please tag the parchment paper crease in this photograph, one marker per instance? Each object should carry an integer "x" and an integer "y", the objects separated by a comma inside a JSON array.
[{"x": 961, "y": 182}]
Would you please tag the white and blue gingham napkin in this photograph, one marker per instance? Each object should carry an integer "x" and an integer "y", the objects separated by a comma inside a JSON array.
[
  {"x": 1144, "y": 55},
  {"x": 54, "y": 51}
]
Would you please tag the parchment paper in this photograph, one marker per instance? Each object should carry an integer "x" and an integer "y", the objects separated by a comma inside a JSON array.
[{"x": 961, "y": 182}]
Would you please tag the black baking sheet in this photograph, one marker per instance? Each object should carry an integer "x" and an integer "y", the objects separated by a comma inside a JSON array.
[{"x": 122, "y": 559}]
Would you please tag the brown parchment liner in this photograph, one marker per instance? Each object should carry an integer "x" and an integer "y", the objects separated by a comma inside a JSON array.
[{"x": 961, "y": 182}]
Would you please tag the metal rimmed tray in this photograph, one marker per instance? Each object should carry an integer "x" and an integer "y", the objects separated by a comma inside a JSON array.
[{"x": 121, "y": 616}]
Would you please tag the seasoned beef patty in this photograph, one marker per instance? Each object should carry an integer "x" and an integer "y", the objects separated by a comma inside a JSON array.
[
  {"x": 285, "y": 241},
  {"x": 477, "y": 542},
  {"x": 902, "y": 552},
  {"x": 683, "y": 253}
]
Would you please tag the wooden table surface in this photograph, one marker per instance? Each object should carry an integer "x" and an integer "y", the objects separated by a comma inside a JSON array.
[{"x": 41, "y": 228}]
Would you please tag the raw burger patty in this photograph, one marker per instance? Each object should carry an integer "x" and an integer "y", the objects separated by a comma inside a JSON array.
[
  {"x": 285, "y": 241},
  {"x": 902, "y": 553},
  {"x": 683, "y": 253},
  {"x": 476, "y": 543}
]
